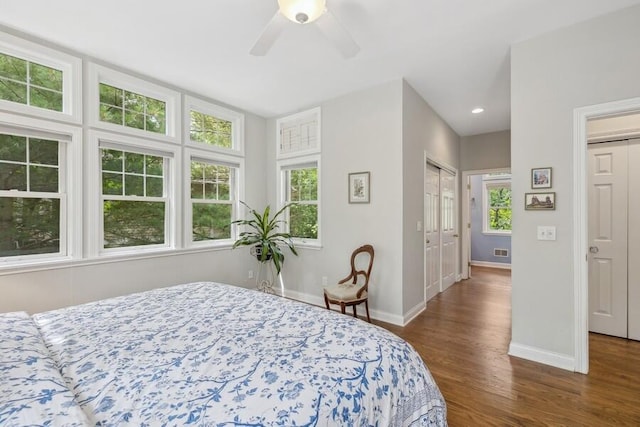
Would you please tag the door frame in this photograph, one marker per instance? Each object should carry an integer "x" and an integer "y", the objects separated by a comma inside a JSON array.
[
  {"x": 466, "y": 217},
  {"x": 428, "y": 158},
  {"x": 580, "y": 224}
]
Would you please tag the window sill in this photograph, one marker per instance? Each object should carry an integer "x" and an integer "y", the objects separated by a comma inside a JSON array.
[{"x": 497, "y": 233}]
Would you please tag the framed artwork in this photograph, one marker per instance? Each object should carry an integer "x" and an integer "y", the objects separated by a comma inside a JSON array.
[
  {"x": 541, "y": 178},
  {"x": 540, "y": 201},
  {"x": 359, "y": 187}
]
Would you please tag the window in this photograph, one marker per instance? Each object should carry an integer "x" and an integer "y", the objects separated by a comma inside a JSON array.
[
  {"x": 122, "y": 103},
  {"x": 134, "y": 201},
  {"x": 212, "y": 127},
  {"x": 131, "y": 109},
  {"x": 301, "y": 186},
  {"x": 213, "y": 200},
  {"x": 39, "y": 81},
  {"x": 30, "y": 83},
  {"x": 32, "y": 198},
  {"x": 497, "y": 203},
  {"x": 299, "y": 134}
]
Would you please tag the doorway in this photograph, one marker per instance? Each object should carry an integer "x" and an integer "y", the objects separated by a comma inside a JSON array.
[
  {"x": 580, "y": 229},
  {"x": 440, "y": 225}
]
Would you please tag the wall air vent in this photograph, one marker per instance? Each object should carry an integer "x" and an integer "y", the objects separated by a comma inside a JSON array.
[{"x": 500, "y": 252}]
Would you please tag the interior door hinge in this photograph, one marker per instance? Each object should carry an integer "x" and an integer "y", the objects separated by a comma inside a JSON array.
[{"x": 468, "y": 225}]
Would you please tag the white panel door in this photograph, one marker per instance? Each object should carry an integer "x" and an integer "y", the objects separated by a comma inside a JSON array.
[
  {"x": 607, "y": 186},
  {"x": 634, "y": 241},
  {"x": 448, "y": 227},
  {"x": 431, "y": 232}
]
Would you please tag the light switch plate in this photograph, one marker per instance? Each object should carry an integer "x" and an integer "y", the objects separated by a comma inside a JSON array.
[{"x": 546, "y": 232}]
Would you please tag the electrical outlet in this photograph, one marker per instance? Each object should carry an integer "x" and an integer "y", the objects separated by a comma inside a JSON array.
[
  {"x": 250, "y": 274},
  {"x": 324, "y": 280}
]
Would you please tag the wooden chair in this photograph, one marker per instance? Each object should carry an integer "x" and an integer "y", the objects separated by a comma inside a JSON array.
[{"x": 348, "y": 292}]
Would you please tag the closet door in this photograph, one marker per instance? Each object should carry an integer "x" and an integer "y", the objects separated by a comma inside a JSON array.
[
  {"x": 608, "y": 178},
  {"x": 634, "y": 239}
]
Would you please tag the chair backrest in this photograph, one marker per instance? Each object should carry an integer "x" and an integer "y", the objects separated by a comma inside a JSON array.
[{"x": 364, "y": 249}]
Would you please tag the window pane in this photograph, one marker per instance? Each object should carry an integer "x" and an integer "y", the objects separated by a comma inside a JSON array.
[
  {"x": 43, "y": 151},
  {"x": 210, "y": 130},
  {"x": 29, "y": 226},
  {"x": 43, "y": 178},
  {"x": 112, "y": 160},
  {"x": 46, "y": 77},
  {"x": 133, "y": 223},
  {"x": 154, "y": 187},
  {"x": 13, "y": 91},
  {"x": 154, "y": 165},
  {"x": 156, "y": 123},
  {"x": 13, "y": 148},
  {"x": 13, "y": 68},
  {"x": 134, "y": 102},
  {"x": 133, "y": 185},
  {"x": 13, "y": 177},
  {"x": 211, "y": 221},
  {"x": 197, "y": 180},
  {"x": 111, "y": 95},
  {"x": 303, "y": 221},
  {"x": 500, "y": 197},
  {"x": 112, "y": 183},
  {"x": 500, "y": 219},
  {"x": 111, "y": 114},
  {"x": 134, "y": 163},
  {"x": 133, "y": 119},
  {"x": 304, "y": 184},
  {"x": 45, "y": 98},
  {"x": 216, "y": 182}
]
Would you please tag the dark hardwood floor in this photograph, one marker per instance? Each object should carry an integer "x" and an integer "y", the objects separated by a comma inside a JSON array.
[{"x": 463, "y": 337}]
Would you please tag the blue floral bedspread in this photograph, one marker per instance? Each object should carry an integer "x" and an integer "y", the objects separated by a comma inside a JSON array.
[
  {"x": 207, "y": 354},
  {"x": 32, "y": 392}
]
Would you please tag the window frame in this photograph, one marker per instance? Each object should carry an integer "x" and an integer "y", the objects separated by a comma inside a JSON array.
[
  {"x": 300, "y": 163},
  {"x": 71, "y": 68},
  {"x": 238, "y": 190},
  {"x": 490, "y": 182},
  {"x": 237, "y": 125},
  {"x": 99, "y": 74},
  {"x": 70, "y": 190},
  {"x": 95, "y": 229}
]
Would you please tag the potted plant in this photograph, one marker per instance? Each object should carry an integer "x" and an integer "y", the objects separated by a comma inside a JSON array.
[{"x": 263, "y": 235}]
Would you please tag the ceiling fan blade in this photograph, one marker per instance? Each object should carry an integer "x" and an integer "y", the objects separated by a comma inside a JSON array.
[
  {"x": 269, "y": 35},
  {"x": 337, "y": 34}
]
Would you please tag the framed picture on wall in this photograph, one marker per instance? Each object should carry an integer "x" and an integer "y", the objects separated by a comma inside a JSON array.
[
  {"x": 541, "y": 178},
  {"x": 540, "y": 201},
  {"x": 359, "y": 187}
]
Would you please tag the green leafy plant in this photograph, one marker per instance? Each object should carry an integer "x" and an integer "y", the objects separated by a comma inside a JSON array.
[{"x": 263, "y": 234}]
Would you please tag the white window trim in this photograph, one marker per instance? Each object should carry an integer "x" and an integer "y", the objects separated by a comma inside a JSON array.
[
  {"x": 486, "y": 184},
  {"x": 71, "y": 68},
  {"x": 236, "y": 119},
  {"x": 99, "y": 74},
  {"x": 71, "y": 227},
  {"x": 236, "y": 162},
  {"x": 317, "y": 112},
  {"x": 281, "y": 167},
  {"x": 94, "y": 228}
]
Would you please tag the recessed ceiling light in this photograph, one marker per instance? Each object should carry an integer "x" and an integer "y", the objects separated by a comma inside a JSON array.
[{"x": 477, "y": 110}]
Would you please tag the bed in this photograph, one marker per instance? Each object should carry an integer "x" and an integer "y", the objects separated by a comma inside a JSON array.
[{"x": 208, "y": 354}]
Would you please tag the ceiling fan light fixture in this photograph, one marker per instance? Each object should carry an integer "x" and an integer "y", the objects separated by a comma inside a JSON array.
[{"x": 302, "y": 11}]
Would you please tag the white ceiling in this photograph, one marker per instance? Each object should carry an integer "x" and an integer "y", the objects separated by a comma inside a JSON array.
[{"x": 455, "y": 53}]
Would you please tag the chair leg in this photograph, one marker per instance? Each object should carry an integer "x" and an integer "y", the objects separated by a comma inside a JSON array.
[
  {"x": 326, "y": 301},
  {"x": 342, "y": 307},
  {"x": 366, "y": 305},
  {"x": 354, "y": 311}
]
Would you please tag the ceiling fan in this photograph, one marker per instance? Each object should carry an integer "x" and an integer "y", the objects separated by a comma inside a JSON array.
[{"x": 305, "y": 12}]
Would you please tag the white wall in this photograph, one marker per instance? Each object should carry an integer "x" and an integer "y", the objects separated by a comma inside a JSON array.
[
  {"x": 361, "y": 131},
  {"x": 586, "y": 64},
  {"x": 422, "y": 130},
  {"x": 485, "y": 151}
]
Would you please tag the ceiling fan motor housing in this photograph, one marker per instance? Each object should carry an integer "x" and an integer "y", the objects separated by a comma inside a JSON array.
[{"x": 302, "y": 11}]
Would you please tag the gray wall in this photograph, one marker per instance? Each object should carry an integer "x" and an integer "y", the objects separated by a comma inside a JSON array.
[
  {"x": 590, "y": 63},
  {"x": 482, "y": 245},
  {"x": 485, "y": 151},
  {"x": 422, "y": 130}
]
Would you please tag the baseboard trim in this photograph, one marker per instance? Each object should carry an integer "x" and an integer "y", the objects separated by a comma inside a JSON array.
[
  {"x": 413, "y": 313},
  {"x": 502, "y": 265},
  {"x": 382, "y": 316},
  {"x": 545, "y": 357}
]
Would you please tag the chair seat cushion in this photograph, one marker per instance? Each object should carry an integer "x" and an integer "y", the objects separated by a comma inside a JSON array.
[{"x": 344, "y": 292}]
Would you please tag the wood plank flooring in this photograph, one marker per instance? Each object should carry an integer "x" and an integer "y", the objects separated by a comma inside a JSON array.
[{"x": 464, "y": 336}]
